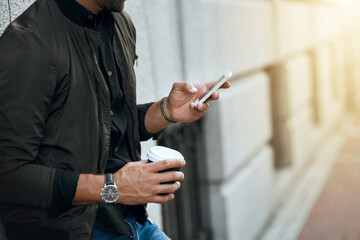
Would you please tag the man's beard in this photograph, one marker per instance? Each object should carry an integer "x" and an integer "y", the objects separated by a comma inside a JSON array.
[{"x": 113, "y": 5}]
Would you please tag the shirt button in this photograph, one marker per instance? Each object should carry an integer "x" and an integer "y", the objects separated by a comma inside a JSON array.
[
  {"x": 111, "y": 113},
  {"x": 116, "y": 149},
  {"x": 109, "y": 73}
]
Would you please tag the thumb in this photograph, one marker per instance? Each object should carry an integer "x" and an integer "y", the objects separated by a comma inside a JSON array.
[
  {"x": 185, "y": 86},
  {"x": 191, "y": 88}
]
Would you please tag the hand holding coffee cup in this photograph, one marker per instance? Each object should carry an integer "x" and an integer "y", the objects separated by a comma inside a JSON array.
[
  {"x": 159, "y": 153},
  {"x": 142, "y": 182}
]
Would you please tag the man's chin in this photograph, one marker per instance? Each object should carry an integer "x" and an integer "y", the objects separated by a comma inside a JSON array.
[
  {"x": 122, "y": 5},
  {"x": 121, "y": 8},
  {"x": 115, "y": 7}
]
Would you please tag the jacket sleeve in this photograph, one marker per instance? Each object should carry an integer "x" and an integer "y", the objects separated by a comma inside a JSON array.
[
  {"x": 144, "y": 134},
  {"x": 27, "y": 85}
]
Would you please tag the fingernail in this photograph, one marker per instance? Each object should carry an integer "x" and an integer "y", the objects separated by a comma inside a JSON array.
[
  {"x": 183, "y": 162},
  {"x": 193, "y": 89}
]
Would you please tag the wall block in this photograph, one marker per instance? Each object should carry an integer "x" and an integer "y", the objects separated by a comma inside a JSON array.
[
  {"x": 242, "y": 206},
  {"x": 238, "y": 124}
]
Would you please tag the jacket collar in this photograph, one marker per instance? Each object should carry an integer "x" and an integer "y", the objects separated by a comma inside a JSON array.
[
  {"x": 68, "y": 8},
  {"x": 80, "y": 15}
]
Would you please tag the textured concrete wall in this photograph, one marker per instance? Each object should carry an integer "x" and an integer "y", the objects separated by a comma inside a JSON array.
[
  {"x": 4, "y": 15},
  {"x": 231, "y": 28},
  {"x": 10, "y": 10},
  {"x": 293, "y": 27},
  {"x": 240, "y": 164},
  {"x": 17, "y": 7},
  {"x": 238, "y": 140},
  {"x": 301, "y": 45},
  {"x": 293, "y": 93},
  {"x": 158, "y": 47}
]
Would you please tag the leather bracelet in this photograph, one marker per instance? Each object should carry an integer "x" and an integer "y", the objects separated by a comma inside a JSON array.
[{"x": 163, "y": 111}]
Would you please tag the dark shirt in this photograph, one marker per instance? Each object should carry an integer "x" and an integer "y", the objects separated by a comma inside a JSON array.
[
  {"x": 109, "y": 218},
  {"x": 104, "y": 24}
]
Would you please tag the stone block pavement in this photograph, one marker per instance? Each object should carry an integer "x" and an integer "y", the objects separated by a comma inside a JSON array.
[
  {"x": 323, "y": 201},
  {"x": 336, "y": 214}
]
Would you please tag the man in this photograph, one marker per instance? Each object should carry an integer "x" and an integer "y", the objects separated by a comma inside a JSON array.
[{"x": 68, "y": 114}]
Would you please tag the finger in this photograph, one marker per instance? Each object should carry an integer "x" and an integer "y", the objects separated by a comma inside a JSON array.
[
  {"x": 141, "y": 162},
  {"x": 167, "y": 164},
  {"x": 214, "y": 96},
  {"x": 226, "y": 85},
  {"x": 186, "y": 87},
  {"x": 205, "y": 86},
  {"x": 161, "y": 198},
  {"x": 169, "y": 188},
  {"x": 170, "y": 176},
  {"x": 202, "y": 107},
  {"x": 191, "y": 88}
]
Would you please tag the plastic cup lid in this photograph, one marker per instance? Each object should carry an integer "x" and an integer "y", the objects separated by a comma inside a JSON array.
[{"x": 158, "y": 153}]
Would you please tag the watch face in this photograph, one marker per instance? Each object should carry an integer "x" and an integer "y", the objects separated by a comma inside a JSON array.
[{"x": 110, "y": 194}]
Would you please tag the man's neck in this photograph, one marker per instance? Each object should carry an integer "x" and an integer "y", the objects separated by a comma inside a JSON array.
[{"x": 91, "y": 5}]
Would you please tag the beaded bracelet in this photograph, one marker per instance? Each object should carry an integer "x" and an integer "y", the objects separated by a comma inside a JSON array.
[{"x": 163, "y": 111}]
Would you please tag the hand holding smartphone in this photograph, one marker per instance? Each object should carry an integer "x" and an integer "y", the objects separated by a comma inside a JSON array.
[{"x": 213, "y": 88}]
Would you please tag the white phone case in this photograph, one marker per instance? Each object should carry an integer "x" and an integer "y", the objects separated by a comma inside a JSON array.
[{"x": 215, "y": 87}]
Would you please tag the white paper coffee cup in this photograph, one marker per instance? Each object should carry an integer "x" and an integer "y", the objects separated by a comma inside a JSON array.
[{"x": 158, "y": 153}]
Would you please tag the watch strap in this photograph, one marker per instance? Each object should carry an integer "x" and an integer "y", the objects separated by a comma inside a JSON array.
[{"x": 109, "y": 179}]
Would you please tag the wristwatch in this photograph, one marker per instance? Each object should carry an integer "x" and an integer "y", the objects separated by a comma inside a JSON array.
[{"x": 110, "y": 192}]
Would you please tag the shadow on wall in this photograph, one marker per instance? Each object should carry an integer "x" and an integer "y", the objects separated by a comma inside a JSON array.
[{"x": 184, "y": 216}]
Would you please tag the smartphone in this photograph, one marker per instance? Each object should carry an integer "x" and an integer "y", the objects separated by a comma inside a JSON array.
[{"x": 213, "y": 88}]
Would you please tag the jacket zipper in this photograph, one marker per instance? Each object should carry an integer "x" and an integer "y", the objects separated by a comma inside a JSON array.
[
  {"x": 107, "y": 144},
  {"x": 96, "y": 67}
]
